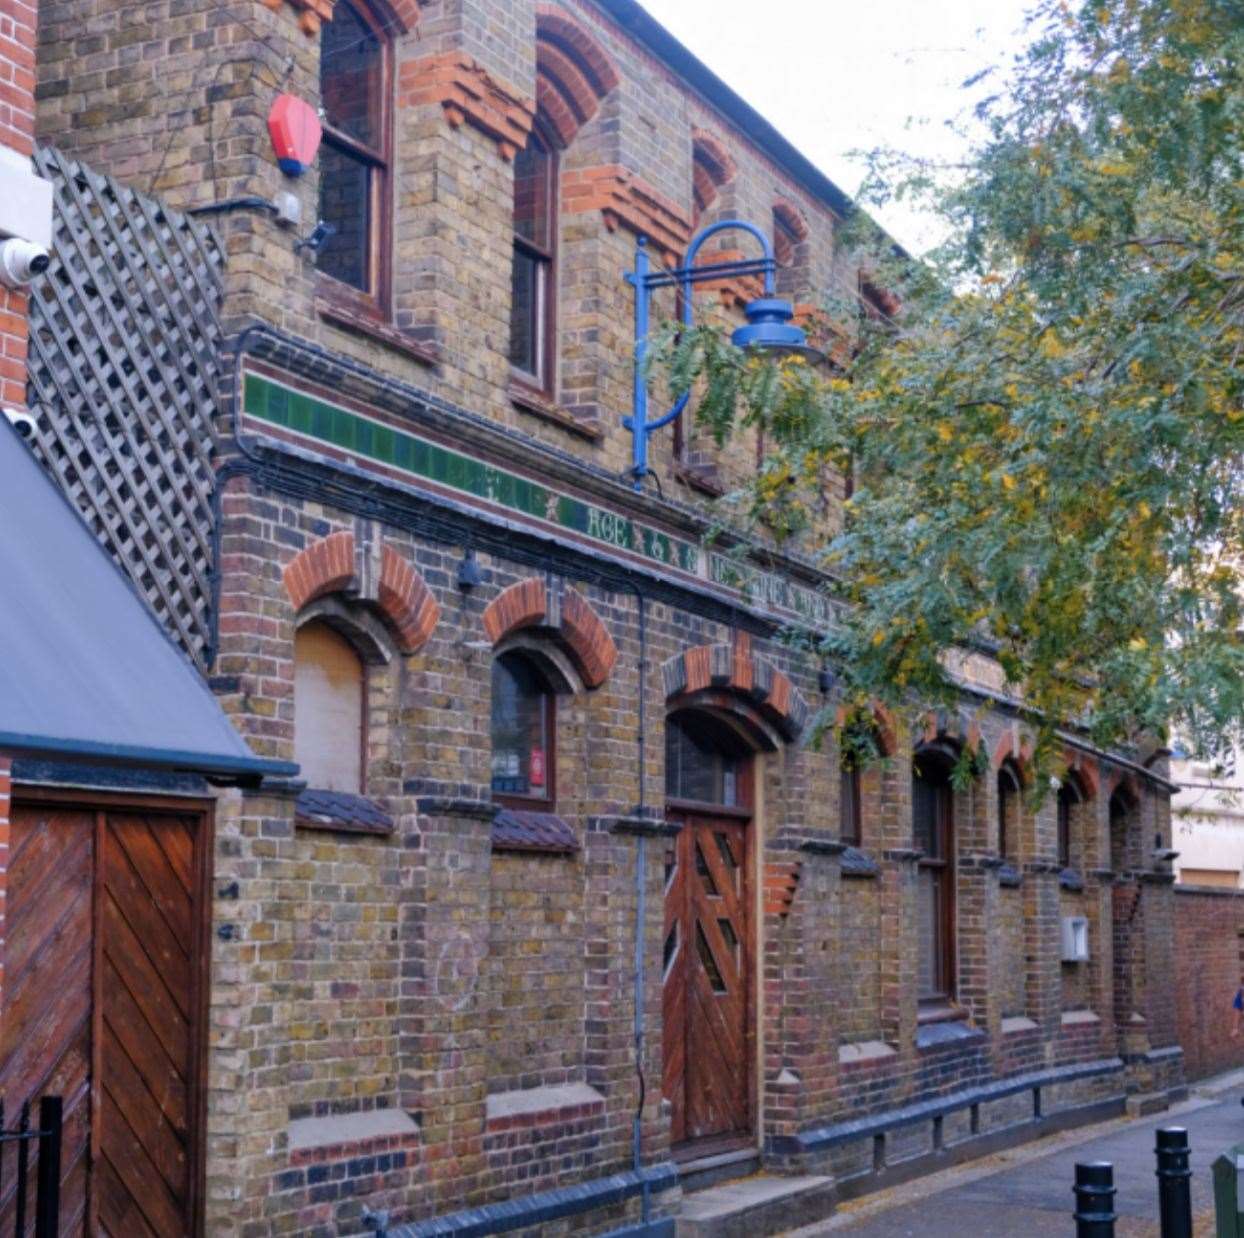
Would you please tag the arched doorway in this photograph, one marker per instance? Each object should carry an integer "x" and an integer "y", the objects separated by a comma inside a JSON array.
[{"x": 708, "y": 993}]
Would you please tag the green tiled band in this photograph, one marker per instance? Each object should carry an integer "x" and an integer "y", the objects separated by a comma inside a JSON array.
[{"x": 362, "y": 437}]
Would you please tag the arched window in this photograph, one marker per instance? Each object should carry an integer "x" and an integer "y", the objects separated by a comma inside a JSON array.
[
  {"x": 355, "y": 159},
  {"x": 850, "y": 810},
  {"x": 1122, "y": 812},
  {"x": 704, "y": 761},
  {"x": 1070, "y": 797},
  {"x": 790, "y": 231},
  {"x": 533, "y": 304},
  {"x": 329, "y": 710},
  {"x": 1009, "y": 800},
  {"x": 932, "y": 811},
  {"x": 524, "y": 717}
]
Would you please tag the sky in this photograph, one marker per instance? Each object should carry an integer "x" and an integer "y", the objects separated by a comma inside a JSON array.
[{"x": 833, "y": 76}]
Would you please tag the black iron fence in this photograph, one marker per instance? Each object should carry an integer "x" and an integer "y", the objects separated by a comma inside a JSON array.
[{"x": 46, "y": 1139}]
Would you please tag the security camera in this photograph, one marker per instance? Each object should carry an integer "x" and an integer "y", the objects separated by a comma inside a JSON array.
[
  {"x": 21, "y": 261},
  {"x": 21, "y": 421}
]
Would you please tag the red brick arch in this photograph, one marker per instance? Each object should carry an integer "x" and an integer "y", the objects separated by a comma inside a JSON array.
[
  {"x": 402, "y": 596},
  {"x": 402, "y": 14},
  {"x": 573, "y": 73},
  {"x": 884, "y": 726},
  {"x": 548, "y": 603},
  {"x": 712, "y": 167},
  {"x": 1016, "y": 748},
  {"x": 734, "y": 667}
]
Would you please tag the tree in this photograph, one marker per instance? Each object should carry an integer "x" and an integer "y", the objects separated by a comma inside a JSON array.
[{"x": 1047, "y": 437}]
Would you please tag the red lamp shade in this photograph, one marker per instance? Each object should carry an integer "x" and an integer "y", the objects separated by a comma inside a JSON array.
[{"x": 295, "y": 130}]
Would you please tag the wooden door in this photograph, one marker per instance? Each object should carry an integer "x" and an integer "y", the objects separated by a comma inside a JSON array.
[
  {"x": 45, "y": 1021},
  {"x": 104, "y": 1009},
  {"x": 708, "y": 968}
]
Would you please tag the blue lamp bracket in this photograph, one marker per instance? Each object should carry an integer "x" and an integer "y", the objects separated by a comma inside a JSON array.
[{"x": 768, "y": 321}]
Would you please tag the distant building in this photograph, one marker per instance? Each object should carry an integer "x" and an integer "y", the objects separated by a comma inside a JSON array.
[{"x": 1207, "y": 821}]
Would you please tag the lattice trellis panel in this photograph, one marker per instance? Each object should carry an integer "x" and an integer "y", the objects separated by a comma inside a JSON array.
[{"x": 124, "y": 338}]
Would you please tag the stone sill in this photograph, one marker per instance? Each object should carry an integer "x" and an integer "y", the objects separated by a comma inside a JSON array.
[
  {"x": 702, "y": 478},
  {"x": 541, "y": 1105},
  {"x": 343, "y": 1133},
  {"x": 374, "y": 327},
  {"x": 1079, "y": 1018},
  {"x": 1014, "y": 1025},
  {"x": 865, "y": 1053},
  {"x": 528, "y": 400}
]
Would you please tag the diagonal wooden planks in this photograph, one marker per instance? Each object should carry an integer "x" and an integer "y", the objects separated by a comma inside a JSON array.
[
  {"x": 45, "y": 1020},
  {"x": 706, "y": 993},
  {"x": 145, "y": 1059}
]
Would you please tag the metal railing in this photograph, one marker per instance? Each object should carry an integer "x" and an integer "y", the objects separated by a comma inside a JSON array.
[{"x": 47, "y": 1137}]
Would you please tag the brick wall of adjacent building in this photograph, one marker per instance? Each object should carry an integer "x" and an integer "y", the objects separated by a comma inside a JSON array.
[
  {"x": 1209, "y": 970},
  {"x": 17, "y": 81}
]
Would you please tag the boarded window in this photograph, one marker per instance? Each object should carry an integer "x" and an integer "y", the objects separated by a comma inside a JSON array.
[{"x": 328, "y": 709}]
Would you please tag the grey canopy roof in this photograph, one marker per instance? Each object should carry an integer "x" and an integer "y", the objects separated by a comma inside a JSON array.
[{"x": 85, "y": 668}]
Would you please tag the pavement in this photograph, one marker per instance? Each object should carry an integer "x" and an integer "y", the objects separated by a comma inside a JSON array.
[{"x": 1027, "y": 1191}]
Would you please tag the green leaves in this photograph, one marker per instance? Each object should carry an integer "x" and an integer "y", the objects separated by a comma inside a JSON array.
[{"x": 1047, "y": 443}]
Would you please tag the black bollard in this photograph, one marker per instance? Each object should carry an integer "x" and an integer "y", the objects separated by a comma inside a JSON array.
[
  {"x": 1174, "y": 1182},
  {"x": 1094, "y": 1214}
]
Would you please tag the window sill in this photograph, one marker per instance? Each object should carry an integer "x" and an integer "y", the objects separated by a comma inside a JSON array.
[
  {"x": 1009, "y": 876},
  {"x": 701, "y": 477},
  {"x": 940, "y": 1012},
  {"x": 340, "y": 813},
  {"x": 1070, "y": 880},
  {"x": 529, "y": 400},
  {"x": 369, "y": 324},
  {"x": 858, "y": 863}
]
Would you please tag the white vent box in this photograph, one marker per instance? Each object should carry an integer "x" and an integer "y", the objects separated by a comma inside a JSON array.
[
  {"x": 25, "y": 201},
  {"x": 1075, "y": 939}
]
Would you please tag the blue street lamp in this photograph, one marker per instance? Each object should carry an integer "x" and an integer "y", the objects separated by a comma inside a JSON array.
[{"x": 768, "y": 326}]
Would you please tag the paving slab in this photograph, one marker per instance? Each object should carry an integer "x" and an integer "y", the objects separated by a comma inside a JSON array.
[{"x": 1029, "y": 1192}]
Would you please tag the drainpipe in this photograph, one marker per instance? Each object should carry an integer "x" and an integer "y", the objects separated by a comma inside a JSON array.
[{"x": 641, "y": 904}]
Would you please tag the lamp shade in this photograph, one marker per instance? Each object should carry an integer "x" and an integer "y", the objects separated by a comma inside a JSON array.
[
  {"x": 769, "y": 326},
  {"x": 295, "y": 131}
]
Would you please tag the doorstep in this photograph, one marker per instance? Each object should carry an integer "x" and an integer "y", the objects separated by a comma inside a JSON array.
[{"x": 755, "y": 1207}]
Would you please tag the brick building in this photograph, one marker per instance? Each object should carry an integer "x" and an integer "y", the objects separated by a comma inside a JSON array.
[{"x": 562, "y": 910}]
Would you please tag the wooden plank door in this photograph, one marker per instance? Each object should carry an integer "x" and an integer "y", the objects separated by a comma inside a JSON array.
[
  {"x": 45, "y": 1020},
  {"x": 145, "y": 1023},
  {"x": 708, "y": 970},
  {"x": 101, "y": 1005}
]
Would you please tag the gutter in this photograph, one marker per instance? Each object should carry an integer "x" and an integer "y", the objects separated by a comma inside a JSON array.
[{"x": 156, "y": 758}]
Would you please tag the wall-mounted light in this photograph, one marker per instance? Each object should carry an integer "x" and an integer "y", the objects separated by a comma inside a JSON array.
[
  {"x": 769, "y": 323},
  {"x": 469, "y": 571}
]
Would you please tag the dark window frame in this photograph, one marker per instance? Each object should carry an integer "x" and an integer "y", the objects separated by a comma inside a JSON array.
[
  {"x": 1070, "y": 796},
  {"x": 376, "y": 300},
  {"x": 850, "y": 806},
  {"x": 743, "y": 774},
  {"x": 535, "y": 803},
  {"x": 932, "y": 766},
  {"x": 1010, "y": 807},
  {"x": 542, "y": 382}
]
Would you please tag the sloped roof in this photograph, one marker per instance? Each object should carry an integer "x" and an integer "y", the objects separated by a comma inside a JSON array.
[{"x": 85, "y": 668}]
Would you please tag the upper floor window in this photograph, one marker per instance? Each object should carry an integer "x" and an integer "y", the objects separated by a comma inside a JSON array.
[
  {"x": 849, "y": 805},
  {"x": 790, "y": 231},
  {"x": 524, "y": 715},
  {"x": 533, "y": 284},
  {"x": 932, "y": 810},
  {"x": 1070, "y": 797},
  {"x": 329, "y": 709},
  {"x": 355, "y": 159},
  {"x": 1008, "y": 809}
]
